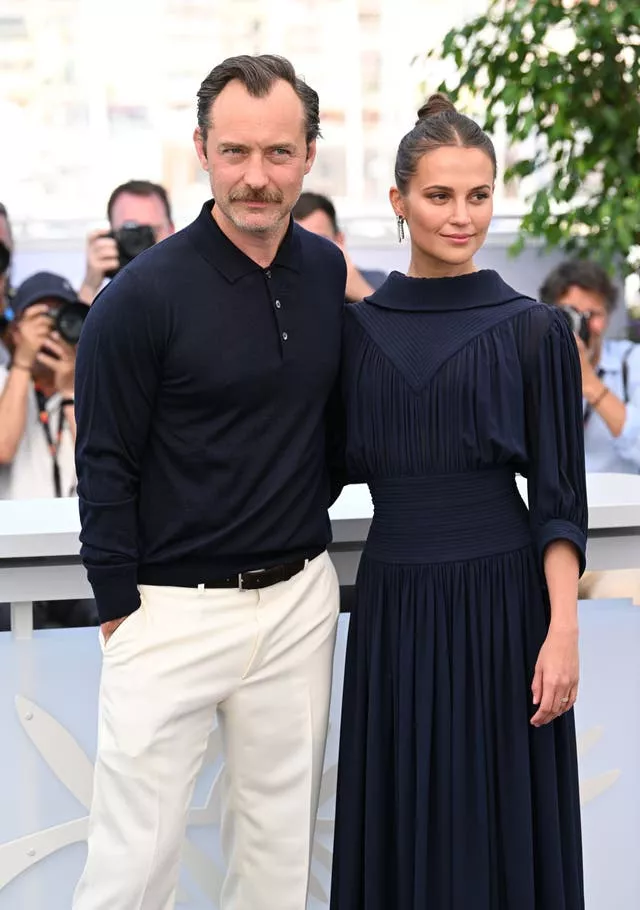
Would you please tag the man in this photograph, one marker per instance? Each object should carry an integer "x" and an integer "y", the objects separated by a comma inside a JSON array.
[
  {"x": 137, "y": 204},
  {"x": 317, "y": 213},
  {"x": 205, "y": 372},
  {"x": 610, "y": 391},
  {"x": 6, "y": 250},
  {"x": 37, "y": 424},
  {"x": 610, "y": 367}
]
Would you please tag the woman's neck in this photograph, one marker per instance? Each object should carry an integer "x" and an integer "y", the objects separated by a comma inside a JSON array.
[{"x": 422, "y": 266}]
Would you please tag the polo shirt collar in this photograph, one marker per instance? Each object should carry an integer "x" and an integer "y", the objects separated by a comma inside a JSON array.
[{"x": 231, "y": 262}]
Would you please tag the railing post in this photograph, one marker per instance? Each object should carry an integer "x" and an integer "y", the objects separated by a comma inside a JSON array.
[{"x": 22, "y": 619}]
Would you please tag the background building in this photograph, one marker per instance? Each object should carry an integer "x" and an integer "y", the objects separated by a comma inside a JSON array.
[{"x": 92, "y": 94}]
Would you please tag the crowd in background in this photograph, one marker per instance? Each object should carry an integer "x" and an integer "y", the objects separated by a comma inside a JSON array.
[{"x": 41, "y": 320}]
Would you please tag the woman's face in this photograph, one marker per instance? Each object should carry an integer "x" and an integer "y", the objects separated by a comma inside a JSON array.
[{"x": 448, "y": 207}]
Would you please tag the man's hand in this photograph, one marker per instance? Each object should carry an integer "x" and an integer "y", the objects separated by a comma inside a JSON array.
[
  {"x": 102, "y": 257},
  {"x": 108, "y": 628},
  {"x": 60, "y": 358},
  {"x": 592, "y": 385},
  {"x": 31, "y": 332},
  {"x": 357, "y": 286}
]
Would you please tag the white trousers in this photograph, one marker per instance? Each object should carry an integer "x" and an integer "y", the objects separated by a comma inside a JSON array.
[{"x": 263, "y": 661}]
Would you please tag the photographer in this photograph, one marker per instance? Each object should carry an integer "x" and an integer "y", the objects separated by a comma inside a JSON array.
[
  {"x": 37, "y": 424},
  {"x": 610, "y": 367},
  {"x": 610, "y": 391},
  {"x": 317, "y": 213},
  {"x": 139, "y": 214}
]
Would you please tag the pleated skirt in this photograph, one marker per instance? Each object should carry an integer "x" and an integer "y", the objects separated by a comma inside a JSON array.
[{"x": 448, "y": 799}]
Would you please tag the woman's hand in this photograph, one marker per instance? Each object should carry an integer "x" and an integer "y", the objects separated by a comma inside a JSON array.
[{"x": 555, "y": 681}]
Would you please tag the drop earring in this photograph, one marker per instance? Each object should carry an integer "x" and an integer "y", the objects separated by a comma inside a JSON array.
[{"x": 400, "y": 225}]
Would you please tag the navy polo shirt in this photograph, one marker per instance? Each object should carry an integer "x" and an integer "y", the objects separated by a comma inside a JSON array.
[{"x": 203, "y": 389}]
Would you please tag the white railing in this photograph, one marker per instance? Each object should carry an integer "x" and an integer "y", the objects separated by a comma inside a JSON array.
[{"x": 39, "y": 541}]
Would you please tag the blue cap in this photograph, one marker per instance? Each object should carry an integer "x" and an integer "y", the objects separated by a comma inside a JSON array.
[{"x": 42, "y": 286}]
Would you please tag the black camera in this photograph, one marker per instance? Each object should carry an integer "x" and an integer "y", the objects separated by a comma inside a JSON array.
[
  {"x": 68, "y": 319},
  {"x": 578, "y": 323},
  {"x": 131, "y": 240}
]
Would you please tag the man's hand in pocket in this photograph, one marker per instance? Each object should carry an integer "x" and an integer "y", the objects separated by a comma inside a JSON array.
[{"x": 108, "y": 628}]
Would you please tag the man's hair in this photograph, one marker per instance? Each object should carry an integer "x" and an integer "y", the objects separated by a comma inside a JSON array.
[
  {"x": 144, "y": 188},
  {"x": 258, "y": 75},
  {"x": 308, "y": 203},
  {"x": 582, "y": 273}
]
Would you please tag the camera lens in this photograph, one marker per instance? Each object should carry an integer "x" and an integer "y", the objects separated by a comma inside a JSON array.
[
  {"x": 69, "y": 321},
  {"x": 578, "y": 323},
  {"x": 573, "y": 317}
]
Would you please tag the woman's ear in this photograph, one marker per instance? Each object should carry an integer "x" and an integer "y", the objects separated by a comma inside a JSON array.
[{"x": 396, "y": 202}]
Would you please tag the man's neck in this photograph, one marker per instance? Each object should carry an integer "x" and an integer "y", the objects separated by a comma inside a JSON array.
[{"x": 259, "y": 246}]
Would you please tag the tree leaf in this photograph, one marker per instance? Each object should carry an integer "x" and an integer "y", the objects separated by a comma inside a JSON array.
[{"x": 567, "y": 76}]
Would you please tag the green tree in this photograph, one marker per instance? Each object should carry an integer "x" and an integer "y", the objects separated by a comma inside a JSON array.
[{"x": 567, "y": 71}]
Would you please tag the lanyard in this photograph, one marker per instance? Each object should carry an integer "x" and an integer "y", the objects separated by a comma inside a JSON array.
[{"x": 53, "y": 444}]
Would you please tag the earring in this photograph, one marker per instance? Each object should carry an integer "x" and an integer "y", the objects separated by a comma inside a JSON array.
[{"x": 400, "y": 226}]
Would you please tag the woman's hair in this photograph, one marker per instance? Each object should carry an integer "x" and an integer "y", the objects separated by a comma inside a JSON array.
[{"x": 438, "y": 125}]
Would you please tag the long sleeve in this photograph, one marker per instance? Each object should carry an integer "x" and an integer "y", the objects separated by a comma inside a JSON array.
[
  {"x": 555, "y": 438},
  {"x": 627, "y": 444},
  {"x": 117, "y": 376}
]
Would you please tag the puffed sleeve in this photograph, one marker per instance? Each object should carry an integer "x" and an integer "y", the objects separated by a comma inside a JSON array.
[{"x": 556, "y": 479}]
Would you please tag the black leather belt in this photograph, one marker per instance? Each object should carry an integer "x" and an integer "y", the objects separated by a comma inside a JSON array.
[{"x": 258, "y": 578}]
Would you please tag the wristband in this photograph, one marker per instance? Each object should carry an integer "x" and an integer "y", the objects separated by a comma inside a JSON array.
[{"x": 20, "y": 366}]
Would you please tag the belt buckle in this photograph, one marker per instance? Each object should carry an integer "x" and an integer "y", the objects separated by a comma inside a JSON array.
[{"x": 241, "y": 575}]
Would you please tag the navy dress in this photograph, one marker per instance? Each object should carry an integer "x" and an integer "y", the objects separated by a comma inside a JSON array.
[{"x": 448, "y": 799}]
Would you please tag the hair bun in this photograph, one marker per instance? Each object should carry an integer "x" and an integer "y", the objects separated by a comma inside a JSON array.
[{"x": 438, "y": 103}]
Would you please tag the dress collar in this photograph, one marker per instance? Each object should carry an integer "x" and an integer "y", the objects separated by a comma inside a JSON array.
[{"x": 464, "y": 292}]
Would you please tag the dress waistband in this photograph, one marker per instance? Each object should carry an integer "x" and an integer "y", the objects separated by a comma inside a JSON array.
[{"x": 447, "y": 517}]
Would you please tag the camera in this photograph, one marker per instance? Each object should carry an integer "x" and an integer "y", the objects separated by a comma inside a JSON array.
[
  {"x": 131, "y": 240},
  {"x": 578, "y": 323},
  {"x": 68, "y": 319}
]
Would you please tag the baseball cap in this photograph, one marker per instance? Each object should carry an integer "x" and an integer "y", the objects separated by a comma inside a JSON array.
[{"x": 42, "y": 286}]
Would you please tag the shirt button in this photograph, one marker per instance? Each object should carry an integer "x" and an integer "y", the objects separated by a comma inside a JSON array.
[
  {"x": 284, "y": 336},
  {"x": 268, "y": 273},
  {"x": 278, "y": 304}
]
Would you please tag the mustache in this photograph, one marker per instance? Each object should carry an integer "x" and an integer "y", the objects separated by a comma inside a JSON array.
[{"x": 256, "y": 196}]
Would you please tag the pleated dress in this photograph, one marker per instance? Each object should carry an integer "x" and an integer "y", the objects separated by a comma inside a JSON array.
[{"x": 448, "y": 799}]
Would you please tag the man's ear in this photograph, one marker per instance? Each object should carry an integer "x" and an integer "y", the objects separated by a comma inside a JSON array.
[
  {"x": 201, "y": 148},
  {"x": 311, "y": 156}
]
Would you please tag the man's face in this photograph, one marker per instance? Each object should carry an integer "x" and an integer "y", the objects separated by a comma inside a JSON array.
[
  {"x": 256, "y": 156},
  {"x": 318, "y": 222},
  {"x": 592, "y": 304},
  {"x": 147, "y": 210},
  {"x": 5, "y": 233}
]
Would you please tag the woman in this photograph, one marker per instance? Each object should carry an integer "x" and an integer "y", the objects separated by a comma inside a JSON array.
[{"x": 458, "y": 782}]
